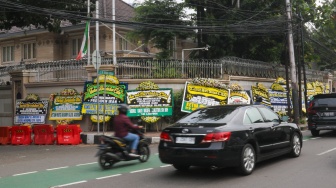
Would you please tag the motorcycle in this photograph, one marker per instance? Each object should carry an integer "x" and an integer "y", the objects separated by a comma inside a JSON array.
[{"x": 114, "y": 149}]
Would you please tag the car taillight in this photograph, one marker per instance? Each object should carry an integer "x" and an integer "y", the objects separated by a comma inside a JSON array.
[
  {"x": 165, "y": 137},
  {"x": 216, "y": 137},
  {"x": 310, "y": 109}
]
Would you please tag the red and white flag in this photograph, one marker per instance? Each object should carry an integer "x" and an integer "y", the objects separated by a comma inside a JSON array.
[{"x": 85, "y": 42}]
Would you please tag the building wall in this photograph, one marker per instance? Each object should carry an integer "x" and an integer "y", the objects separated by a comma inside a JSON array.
[{"x": 6, "y": 106}]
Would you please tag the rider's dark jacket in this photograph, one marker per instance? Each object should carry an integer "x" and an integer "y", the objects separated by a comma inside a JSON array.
[{"x": 122, "y": 124}]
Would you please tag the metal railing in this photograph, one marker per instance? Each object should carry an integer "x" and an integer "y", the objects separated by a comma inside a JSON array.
[{"x": 73, "y": 70}]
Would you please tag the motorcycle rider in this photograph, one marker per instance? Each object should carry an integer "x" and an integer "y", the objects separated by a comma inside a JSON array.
[{"x": 122, "y": 124}]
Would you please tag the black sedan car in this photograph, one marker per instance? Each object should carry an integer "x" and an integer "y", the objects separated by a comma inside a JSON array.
[{"x": 228, "y": 136}]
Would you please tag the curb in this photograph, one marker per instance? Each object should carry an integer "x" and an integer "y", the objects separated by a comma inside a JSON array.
[{"x": 94, "y": 139}]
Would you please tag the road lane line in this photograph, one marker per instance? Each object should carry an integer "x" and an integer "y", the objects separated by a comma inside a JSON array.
[
  {"x": 305, "y": 140},
  {"x": 64, "y": 185},
  {"x": 163, "y": 166},
  {"x": 58, "y": 168},
  {"x": 104, "y": 177},
  {"x": 86, "y": 164},
  {"x": 315, "y": 138},
  {"x": 327, "y": 151},
  {"x": 25, "y": 173},
  {"x": 141, "y": 170}
]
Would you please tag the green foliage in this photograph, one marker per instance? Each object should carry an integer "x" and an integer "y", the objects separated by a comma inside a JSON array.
[
  {"x": 155, "y": 12},
  {"x": 267, "y": 47},
  {"x": 322, "y": 36},
  {"x": 177, "y": 114},
  {"x": 11, "y": 15}
]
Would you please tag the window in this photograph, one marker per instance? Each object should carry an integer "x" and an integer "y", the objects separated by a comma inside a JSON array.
[
  {"x": 210, "y": 115},
  {"x": 269, "y": 115},
  {"x": 7, "y": 53},
  {"x": 122, "y": 44},
  {"x": 254, "y": 115},
  {"x": 247, "y": 119},
  {"x": 76, "y": 46},
  {"x": 29, "y": 51}
]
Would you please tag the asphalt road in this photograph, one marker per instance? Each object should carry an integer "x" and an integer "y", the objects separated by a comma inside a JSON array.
[{"x": 75, "y": 166}]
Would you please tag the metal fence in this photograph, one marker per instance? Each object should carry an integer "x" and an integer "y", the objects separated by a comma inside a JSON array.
[{"x": 73, "y": 70}]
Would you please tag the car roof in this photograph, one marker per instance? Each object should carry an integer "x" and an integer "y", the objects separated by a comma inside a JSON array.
[{"x": 327, "y": 95}]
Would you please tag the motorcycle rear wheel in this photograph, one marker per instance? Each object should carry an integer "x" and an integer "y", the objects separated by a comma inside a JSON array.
[
  {"x": 104, "y": 162},
  {"x": 144, "y": 153}
]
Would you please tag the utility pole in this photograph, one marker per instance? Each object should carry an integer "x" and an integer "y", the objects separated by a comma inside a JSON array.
[
  {"x": 294, "y": 84},
  {"x": 113, "y": 34},
  {"x": 97, "y": 67}
]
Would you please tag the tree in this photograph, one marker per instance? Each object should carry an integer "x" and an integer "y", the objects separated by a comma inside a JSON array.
[
  {"x": 320, "y": 37},
  {"x": 25, "y": 13},
  {"x": 253, "y": 30},
  {"x": 155, "y": 12}
]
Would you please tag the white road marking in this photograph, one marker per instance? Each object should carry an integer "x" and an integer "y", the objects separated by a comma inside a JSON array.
[
  {"x": 315, "y": 138},
  {"x": 86, "y": 164},
  {"x": 327, "y": 151},
  {"x": 25, "y": 173},
  {"x": 163, "y": 166},
  {"x": 58, "y": 168},
  {"x": 108, "y": 176},
  {"x": 64, "y": 185},
  {"x": 141, "y": 170},
  {"x": 305, "y": 140}
]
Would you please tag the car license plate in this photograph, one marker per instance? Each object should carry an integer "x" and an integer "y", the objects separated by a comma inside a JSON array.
[
  {"x": 185, "y": 140},
  {"x": 328, "y": 114}
]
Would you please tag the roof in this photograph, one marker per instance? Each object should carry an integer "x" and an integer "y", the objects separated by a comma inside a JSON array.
[
  {"x": 123, "y": 12},
  {"x": 326, "y": 95}
]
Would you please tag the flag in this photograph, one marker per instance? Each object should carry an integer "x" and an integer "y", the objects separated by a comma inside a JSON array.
[{"x": 85, "y": 42}]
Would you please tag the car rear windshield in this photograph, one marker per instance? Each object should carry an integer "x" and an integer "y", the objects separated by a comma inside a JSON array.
[
  {"x": 325, "y": 102},
  {"x": 209, "y": 115}
]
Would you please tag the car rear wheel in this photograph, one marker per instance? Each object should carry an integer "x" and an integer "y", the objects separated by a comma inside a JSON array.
[
  {"x": 180, "y": 167},
  {"x": 296, "y": 145},
  {"x": 315, "y": 132},
  {"x": 247, "y": 160}
]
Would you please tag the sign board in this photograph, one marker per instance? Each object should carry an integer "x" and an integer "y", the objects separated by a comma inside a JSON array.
[
  {"x": 150, "y": 102},
  {"x": 31, "y": 112},
  {"x": 196, "y": 96},
  {"x": 96, "y": 59},
  {"x": 106, "y": 72},
  {"x": 66, "y": 107}
]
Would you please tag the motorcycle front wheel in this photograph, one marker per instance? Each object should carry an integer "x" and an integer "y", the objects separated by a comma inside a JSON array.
[
  {"x": 105, "y": 162},
  {"x": 144, "y": 153}
]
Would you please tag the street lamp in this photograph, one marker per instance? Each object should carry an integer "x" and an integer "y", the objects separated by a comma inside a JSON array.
[{"x": 204, "y": 48}]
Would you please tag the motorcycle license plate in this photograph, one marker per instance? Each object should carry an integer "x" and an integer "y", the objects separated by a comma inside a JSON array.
[{"x": 185, "y": 140}]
